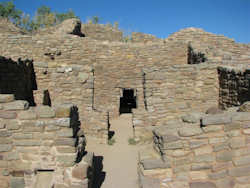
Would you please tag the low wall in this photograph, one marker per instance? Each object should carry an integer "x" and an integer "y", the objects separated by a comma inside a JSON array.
[
  {"x": 212, "y": 154},
  {"x": 41, "y": 146}
]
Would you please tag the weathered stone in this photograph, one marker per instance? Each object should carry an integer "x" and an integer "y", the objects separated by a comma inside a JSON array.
[
  {"x": 190, "y": 131},
  {"x": 203, "y": 150},
  {"x": 5, "y": 133},
  {"x": 17, "y": 182},
  {"x": 232, "y": 126},
  {"x": 12, "y": 156},
  {"x": 222, "y": 146},
  {"x": 183, "y": 168},
  {"x": 239, "y": 171},
  {"x": 45, "y": 112},
  {"x": 16, "y": 105},
  {"x": 237, "y": 142},
  {"x": 202, "y": 185},
  {"x": 4, "y": 98},
  {"x": 243, "y": 160},
  {"x": 27, "y": 115},
  {"x": 149, "y": 164},
  {"x": 204, "y": 158},
  {"x": 212, "y": 128},
  {"x": 66, "y": 132},
  {"x": 173, "y": 145},
  {"x": 63, "y": 111},
  {"x": 65, "y": 142},
  {"x": 201, "y": 175},
  {"x": 197, "y": 143},
  {"x": 5, "y": 140},
  {"x": 62, "y": 122},
  {"x": 83, "y": 77},
  {"x": 217, "y": 140},
  {"x": 245, "y": 107},
  {"x": 4, "y": 183},
  {"x": 216, "y": 119},
  {"x": 192, "y": 117},
  {"x": 5, "y": 147},
  {"x": 224, "y": 156},
  {"x": 80, "y": 171},
  {"x": 7, "y": 114},
  {"x": 22, "y": 136},
  {"x": 12, "y": 125},
  {"x": 27, "y": 142},
  {"x": 3, "y": 164},
  {"x": 225, "y": 183},
  {"x": 218, "y": 175},
  {"x": 241, "y": 116},
  {"x": 200, "y": 166}
]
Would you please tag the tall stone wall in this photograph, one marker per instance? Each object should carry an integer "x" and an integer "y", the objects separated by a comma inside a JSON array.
[
  {"x": 212, "y": 154},
  {"x": 144, "y": 38},
  {"x": 234, "y": 86},
  {"x": 41, "y": 146}
]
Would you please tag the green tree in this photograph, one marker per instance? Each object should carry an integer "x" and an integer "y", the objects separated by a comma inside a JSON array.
[
  {"x": 9, "y": 11},
  {"x": 44, "y": 17},
  {"x": 95, "y": 19}
]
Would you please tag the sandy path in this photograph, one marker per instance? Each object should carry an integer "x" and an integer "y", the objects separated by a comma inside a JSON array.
[{"x": 119, "y": 160}]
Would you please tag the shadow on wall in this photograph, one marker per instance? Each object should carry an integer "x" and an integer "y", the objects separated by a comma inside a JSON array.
[
  {"x": 18, "y": 78},
  {"x": 99, "y": 175}
]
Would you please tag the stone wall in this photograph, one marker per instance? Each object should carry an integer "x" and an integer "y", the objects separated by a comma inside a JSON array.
[
  {"x": 176, "y": 90},
  {"x": 102, "y": 32},
  {"x": 41, "y": 146},
  {"x": 144, "y": 38},
  {"x": 234, "y": 86},
  {"x": 212, "y": 154},
  {"x": 18, "y": 78}
]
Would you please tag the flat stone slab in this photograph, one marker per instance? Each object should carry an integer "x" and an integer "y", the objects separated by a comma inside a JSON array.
[
  {"x": 45, "y": 112},
  {"x": 16, "y": 105},
  {"x": 216, "y": 119},
  {"x": 202, "y": 185},
  {"x": 7, "y": 114},
  {"x": 149, "y": 164},
  {"x": 4, "y": 98}
]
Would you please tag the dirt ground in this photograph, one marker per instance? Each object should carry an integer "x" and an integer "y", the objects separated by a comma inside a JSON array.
[{"x": 116, "y": 165}]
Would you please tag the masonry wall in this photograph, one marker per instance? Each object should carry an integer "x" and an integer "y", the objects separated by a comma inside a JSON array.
[
  {"x": 40, "y": 140},
  {"x": 234, "y": 86},
  {"x": 212, "y": 154},
  {"x": 176, "y": 90}
]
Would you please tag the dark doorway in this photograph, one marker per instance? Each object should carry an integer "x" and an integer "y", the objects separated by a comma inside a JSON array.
[{"x": 127, "y": 101}]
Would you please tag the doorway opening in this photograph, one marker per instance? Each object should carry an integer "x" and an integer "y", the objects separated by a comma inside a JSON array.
[{"x": 127, "y": 101}]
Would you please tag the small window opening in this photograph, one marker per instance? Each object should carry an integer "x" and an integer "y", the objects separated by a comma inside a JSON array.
[{"x": 127, "y": 101}]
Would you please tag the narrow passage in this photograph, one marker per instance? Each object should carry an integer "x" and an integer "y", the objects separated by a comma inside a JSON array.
[{"x": 119, "y": 160}]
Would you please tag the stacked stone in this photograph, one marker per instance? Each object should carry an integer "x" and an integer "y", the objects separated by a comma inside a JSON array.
[
  {"x": 38, "y": 141},
  {"x": 212, "y": 154},
  {"x": 145, "y": 38},
  {"x": 234, "y": 85},
  {"x": 102, "y": 32}
]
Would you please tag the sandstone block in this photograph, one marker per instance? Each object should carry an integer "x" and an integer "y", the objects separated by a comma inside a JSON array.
[
  {"x": 5, "y": 147},
  {"x": 7, "y": 114},
  {"x": 225, "y": 183},
  {"x": 149, "y": 164},
  {"x": 5, "y": 133},
  {"x": 197, "y": 143},
  {"x": 203, "y": 150},
  {"x": 200, "y": 166},
  {"x": 16, "y": 105},
  {"x": 12, "y": 125},
  {"x": 243, "y": 160},
  {"x": 4, "y": 183},
  {"x": 45, "y": 112},
  {"x": 3, "y": 164},
  {"x": 66, "y": 149},
  {"x": 190, "y": 131},
  {"x": 63, "y": 111},
  {"x": 27, "y": 142},
  {"x": 4, "y": 98},
  {"x": 237, "y": 142},
  {"x": 239, "y": 171},
  {"x": 241, "y": 116},
  {"x": 17, "y": 182},
  {"x": 67, "y": 132},
  {"x": 218, "y": 175},
  {"x": 22, "y": 136},
  {"x": 65, "y": 142},
  {"x": 221, "y": 146},
  {"x": 202, "y": 185},
  {"x": 201, "y": 175},
  {"x": 80, "y": 171},
  {"x": 224, "y": 156},
  {"x": 27, "y": 115},
  {"x": 232, "y": 126},
  {"x": 192, "y": 117},
  {"x": 216, "y": 119},
  {"x": 212, "y": 128},
  {"x": 205, "y": 158}
]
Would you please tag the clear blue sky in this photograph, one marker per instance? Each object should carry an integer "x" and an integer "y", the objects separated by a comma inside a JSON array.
[{"x": 159, "y": 17}]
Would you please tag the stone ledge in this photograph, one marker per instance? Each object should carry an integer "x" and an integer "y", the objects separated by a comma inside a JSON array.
[{"x": 216, "y": 119}]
